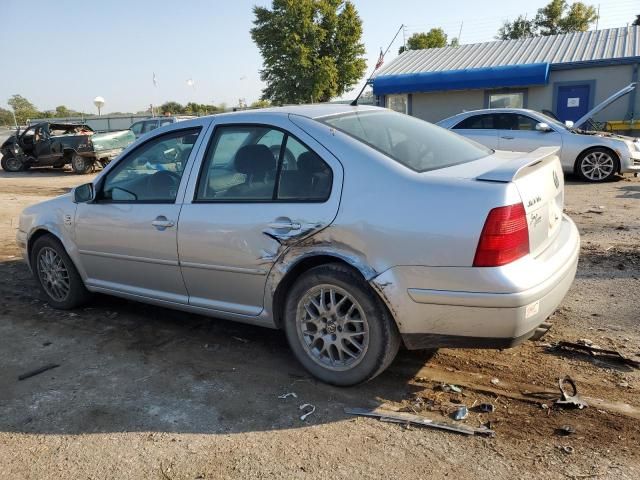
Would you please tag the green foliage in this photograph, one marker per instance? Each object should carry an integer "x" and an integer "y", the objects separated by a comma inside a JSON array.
[
  {"x": 6, "y": 117},
  {"x": 311, "y": 49},
  {"x": 454, "y": 42},
  {"x": 636, "y": 22},
  {"x": 555, "y": 18},
  {"x": 191, "y": 108},
  {"x": 23, "y": 108},
  {"x": 434, "y": 38},
  {"x": 262, "y": 103}
]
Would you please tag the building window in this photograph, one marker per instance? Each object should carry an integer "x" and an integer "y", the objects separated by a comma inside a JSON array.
[
  {"x": 397, "y": 103},
  {"x": 507, "y": 99}
]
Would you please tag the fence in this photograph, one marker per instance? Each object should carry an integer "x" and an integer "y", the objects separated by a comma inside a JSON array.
[{"x": 99, "y": 124}]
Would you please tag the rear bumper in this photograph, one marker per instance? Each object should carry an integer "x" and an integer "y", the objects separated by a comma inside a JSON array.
[{"x": 470, "y": 307}]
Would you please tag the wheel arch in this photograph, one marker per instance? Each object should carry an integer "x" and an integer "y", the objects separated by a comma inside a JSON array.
[
  {"x": 616, "y": 157},
  {"x": 299, "y": 267}
]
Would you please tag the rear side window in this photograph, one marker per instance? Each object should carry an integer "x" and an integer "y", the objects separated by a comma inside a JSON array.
[
  {"x": 246, "y": 163},
  {"x": 136, "y": 128},
  {"x": 416, "y": 144},
  {"x": 477, "y": 122}
]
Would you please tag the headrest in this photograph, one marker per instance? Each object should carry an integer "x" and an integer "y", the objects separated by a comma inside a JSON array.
[
  {"x": 310, "y": 162},
  {"x": 255, "y": 160}
]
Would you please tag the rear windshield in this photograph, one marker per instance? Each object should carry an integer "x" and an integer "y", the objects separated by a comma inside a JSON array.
[{"x": 416, "y": 144}]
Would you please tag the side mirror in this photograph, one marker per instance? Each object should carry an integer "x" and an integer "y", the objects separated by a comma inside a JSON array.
[
  {"x": 84, "y": 193},
  {"x": 543, "y": 127},
  {"x": 569, "y": 124}
]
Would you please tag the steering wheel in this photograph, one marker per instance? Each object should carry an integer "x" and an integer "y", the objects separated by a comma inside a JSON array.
[{"x": 163, "y": 184}]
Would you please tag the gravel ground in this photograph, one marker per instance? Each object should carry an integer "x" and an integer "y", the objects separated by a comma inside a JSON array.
[{"x": 144, "y": 392}]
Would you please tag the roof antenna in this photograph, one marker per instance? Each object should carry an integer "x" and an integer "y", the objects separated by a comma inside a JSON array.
[{"x": 378, "y": 65}]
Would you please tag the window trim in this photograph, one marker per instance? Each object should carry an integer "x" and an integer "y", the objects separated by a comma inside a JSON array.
[
  {"x": 455, "y": 127},
  {"x": 274, "y": 197},
  {"x": 100, "y": 184},
  {"x": 503, "y": 91}
]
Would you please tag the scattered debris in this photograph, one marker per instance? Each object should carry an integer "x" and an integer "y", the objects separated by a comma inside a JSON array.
[
  {"x": 460, "y": 413},
  {"x": 573, "y": 400},
  {"x": 495, "y": 381},
  {"x": 46, "y": 344},
  {"x": 566, "y": 449},
  {"x": 598, "y": 209},
  {"x": 409, "y": 418},
  {"x": 565, "y": 430},
  {"x": 450, "y": 388},
  {"x": 595, "y": 350},
  {"x": 309, "y": 409},
  {"x": 624, "y": 384},
  {"x": 38, "y": 371},
  {"x": 486, "y": 408},
  {"x": 288, "y": 394},
  {"x": 240, "y": 339}
]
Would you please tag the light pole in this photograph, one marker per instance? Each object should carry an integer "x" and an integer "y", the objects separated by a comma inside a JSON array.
[{"x": 99, "y": 103}]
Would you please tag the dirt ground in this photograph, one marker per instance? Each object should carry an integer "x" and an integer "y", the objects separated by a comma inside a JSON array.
[{"x": 144, "y": 392}]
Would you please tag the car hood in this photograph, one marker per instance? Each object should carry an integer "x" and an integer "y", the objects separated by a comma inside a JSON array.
[{"x": 601, "y": 106}]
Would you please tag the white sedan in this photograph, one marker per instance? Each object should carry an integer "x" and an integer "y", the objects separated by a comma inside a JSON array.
[{"x": 593, "y": 156}]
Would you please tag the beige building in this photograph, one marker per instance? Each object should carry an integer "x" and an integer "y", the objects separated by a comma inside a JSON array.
[{"x": 566, "y": 75}]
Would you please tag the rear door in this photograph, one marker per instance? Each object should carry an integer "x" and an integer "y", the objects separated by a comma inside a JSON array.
[
  {"x": 518, "y": 134},
  {"x": 480, "y": 128},
  {"x": 262, "y": 187}
]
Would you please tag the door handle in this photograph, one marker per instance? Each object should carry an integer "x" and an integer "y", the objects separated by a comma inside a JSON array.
[
  {"x": 162, "y": 222},
  {"x": 508, "y": 138},
  {"x": 285, "y": 225}
]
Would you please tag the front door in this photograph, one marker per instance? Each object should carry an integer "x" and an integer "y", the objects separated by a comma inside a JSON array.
[
  {"x": 518, "y": 134},
  {"x": 42, "y": 145},
  {"x": 573, "y": 102},
  {"x": 260, "y": 190},
  {"x": 127, "y": 238}
]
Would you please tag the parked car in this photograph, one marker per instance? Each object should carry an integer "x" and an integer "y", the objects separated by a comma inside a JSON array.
[
  {"x": 353, "y": 229},
  {"x": 145, "y": 126},
  {"x": 594, "y": 156},
  {"x": 58, "y": 144}
]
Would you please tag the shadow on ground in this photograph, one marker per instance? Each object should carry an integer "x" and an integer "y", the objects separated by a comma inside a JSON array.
[{"x": 125, "y": 366}]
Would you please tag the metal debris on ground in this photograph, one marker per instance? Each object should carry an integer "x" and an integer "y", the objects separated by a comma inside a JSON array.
[
  {"x": 565, "y": 430},
  {"x": 460, "y": 413},
  {"x": 495, "y": 381},
  {"x": 566, "y": 449},
  {"x": 309, "y": 409},
  {"x": 594, "y": 350},
  {"x": 598, "y": 209},
  {"x": 450, "y": 388},
  {"x": 486, "y": 408},
  {"x": 409, "y": 418},
  {"x": 288, "y": 394},
  {"x": 38, "y": 371},
  {"x": 567, "y": 400}
]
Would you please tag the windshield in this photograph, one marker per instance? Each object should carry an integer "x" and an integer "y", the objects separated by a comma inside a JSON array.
[
  {"x": 414, "y": 143},
  {"x": 552, "y": 121}
]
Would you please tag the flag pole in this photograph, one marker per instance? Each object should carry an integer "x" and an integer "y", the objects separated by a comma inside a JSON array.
[{"x": 378, "y": 65}]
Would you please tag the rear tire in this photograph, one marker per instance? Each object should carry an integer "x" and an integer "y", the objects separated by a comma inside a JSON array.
[
  {"x": 81, "y": 165},
  {"x": 56, "y": 274},
  {"x": 338, "y": 328},
  {"x": 597, "y": 165}
]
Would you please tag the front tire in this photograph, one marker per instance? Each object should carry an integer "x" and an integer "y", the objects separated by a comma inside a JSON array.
[
  {"x": 10, "y": 163},
  {"x": 81, "y": 165},
  {"x": 56, "y": 274},
  {"x": 338, "y": 328},
  {"x": 597, "y": 165}
]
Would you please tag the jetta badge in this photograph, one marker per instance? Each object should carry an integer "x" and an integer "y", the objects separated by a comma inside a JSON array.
[{"x": 556, "y": 180}]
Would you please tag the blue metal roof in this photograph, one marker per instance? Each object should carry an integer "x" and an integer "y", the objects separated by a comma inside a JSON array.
[{"x": 487, "y": 77}]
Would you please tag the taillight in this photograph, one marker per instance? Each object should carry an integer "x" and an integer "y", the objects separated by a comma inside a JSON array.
[{"x": 504, "y": 238}]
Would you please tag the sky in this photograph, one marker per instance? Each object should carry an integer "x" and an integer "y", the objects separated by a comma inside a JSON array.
[{"x": 67, "y": 52}]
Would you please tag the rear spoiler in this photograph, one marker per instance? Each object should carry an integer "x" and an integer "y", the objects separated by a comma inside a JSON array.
[{"x": 518, "y": 167}]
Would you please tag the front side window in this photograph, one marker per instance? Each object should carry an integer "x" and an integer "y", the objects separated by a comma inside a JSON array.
[
  {"x": 416, "y": 144},
  {"x": 250, "y": 163},
  {"x": 506, "y": 100},
  {"x": 152, "y": 172}
]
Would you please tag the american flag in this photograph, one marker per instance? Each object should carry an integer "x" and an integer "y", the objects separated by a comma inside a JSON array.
[{"x": 380, "y": 60}]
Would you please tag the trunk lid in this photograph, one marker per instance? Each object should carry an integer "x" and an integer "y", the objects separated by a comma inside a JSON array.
[{"x": 540, "y": 182}]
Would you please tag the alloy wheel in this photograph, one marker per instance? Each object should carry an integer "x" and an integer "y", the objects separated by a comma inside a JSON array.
[
  {"x": 332, "y": 327},
  {"x": 597, "y": 166},
  {"x": 53, "y": 274}
]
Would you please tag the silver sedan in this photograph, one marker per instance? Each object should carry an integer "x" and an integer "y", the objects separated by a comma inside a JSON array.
[
  {"x": 353, "y": 229},
  {"x": 593, "y": 156}
]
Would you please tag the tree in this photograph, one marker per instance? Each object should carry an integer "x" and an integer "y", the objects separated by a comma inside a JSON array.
[
  {"x": 6, "y": 117},
  {"x": 556, "y": 17},
  {"x": 23, "y": 108},
  {"x": 434, "y": 38},
  {"x": 636, "y": 22},
  {"x": 260, "y": 104},
  {"x": 171, "y": 108},
  {"x": 454, "y": 42},
  {"x": 311, "y": 49},
  {"x": 521, "y": 27}
]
